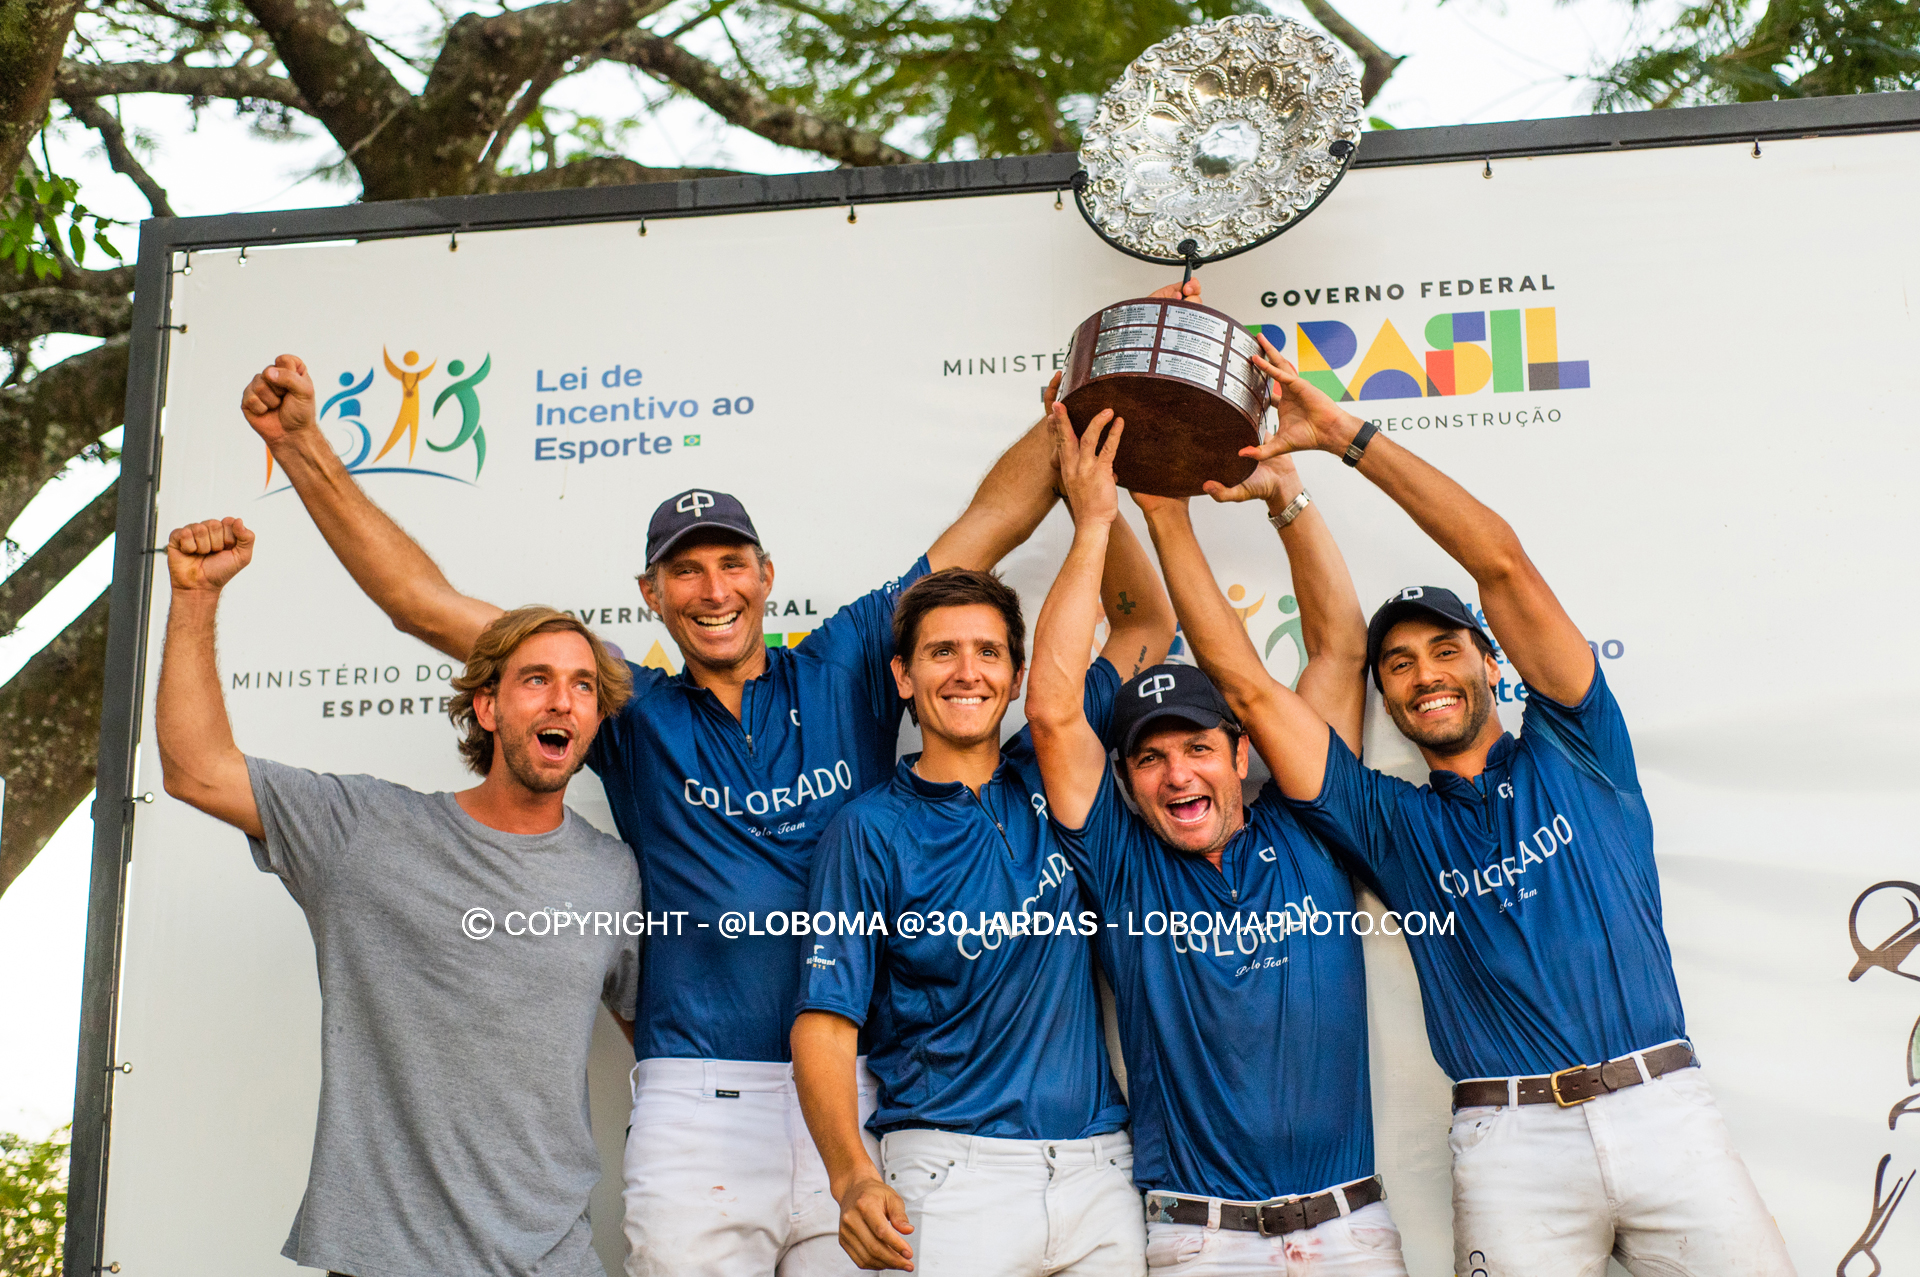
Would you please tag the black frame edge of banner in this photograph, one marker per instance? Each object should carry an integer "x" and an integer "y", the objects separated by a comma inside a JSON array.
[
  {"x": 130, "y": 594},
  {"x": 831, "y": 188},
  {"x": 129, "y": 598}
]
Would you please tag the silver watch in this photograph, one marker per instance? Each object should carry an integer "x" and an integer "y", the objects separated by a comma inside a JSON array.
[{"x": 1292, "y": 512}]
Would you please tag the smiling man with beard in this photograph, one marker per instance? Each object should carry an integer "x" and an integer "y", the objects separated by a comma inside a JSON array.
[
  {"x": 1003, "y": 1147},
  {"x": 1242, "y": 1022},
  {"x": 1582, "y": 1125},
  {"x": 452, "y": 1134}
]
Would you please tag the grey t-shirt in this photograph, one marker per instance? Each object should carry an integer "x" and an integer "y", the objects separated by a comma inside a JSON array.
[{"x": 453, "y": 1133}]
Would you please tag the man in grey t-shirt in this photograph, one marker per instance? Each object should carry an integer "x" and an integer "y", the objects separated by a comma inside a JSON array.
[{"x": 462, "y": 942}]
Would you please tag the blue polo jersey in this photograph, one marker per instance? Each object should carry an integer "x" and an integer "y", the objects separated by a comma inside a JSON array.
[
  {"x": 1544, "y": 862},
  {"x": 1241, "y": 994},
  {"x": 724, "y": 813},
  {"x": 980, "y": 1006}
]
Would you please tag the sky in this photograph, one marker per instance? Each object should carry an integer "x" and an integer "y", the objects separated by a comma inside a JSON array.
[{"x": 1467, "y": 61}]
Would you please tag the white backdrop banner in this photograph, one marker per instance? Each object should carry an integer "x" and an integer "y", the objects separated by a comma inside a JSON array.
[{"x": 1685, "y": 376}]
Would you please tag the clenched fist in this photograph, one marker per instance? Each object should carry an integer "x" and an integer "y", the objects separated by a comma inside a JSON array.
[
  {"x": 279, "y": 401},
  {"x": 205, "y": 556}
]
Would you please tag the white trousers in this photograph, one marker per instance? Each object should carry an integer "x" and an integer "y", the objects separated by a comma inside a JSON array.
[
  {"x": 1648, "y": 1175},
  {"x": 722, "y": 1177},
  {"x": 1362, "y": 1244},
  {"x": 1017, "y": 1208}
]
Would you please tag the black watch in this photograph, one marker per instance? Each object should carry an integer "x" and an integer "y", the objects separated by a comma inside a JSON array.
[{"x": 1358, "y": 447}]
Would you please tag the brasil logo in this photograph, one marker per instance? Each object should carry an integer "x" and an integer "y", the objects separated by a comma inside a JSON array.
[
  {"x": 1468, "y": 351},
  {"x": 344, "y": 417}
]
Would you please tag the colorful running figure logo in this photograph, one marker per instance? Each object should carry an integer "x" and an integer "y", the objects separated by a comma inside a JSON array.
[
  {"x": 469, "y": 412},
  {"x": 343, "y": 417},
  {"x": 409, "y": 419}
]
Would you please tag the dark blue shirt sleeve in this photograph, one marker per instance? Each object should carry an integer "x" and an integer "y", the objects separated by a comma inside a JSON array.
[
  {"x": 859, "y": 637},
  {"x": 1355, "y": 810},
  {"x": 1100, "y": 848},
  {"x": 614, "y": 740},
  {"x": 1593, "y": 733},
  {"x": 848, "y": 877},
  {"x": 1103, "y": 685}
]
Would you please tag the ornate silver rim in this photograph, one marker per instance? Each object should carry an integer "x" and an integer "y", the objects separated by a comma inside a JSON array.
[{"x": 1226, "y": 134}]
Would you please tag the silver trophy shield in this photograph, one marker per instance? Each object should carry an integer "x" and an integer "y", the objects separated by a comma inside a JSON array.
[{"x": 1214, "y": 141}]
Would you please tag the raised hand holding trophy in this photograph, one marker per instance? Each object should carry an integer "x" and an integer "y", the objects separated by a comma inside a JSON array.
[{"x": 1214, "y": 141}]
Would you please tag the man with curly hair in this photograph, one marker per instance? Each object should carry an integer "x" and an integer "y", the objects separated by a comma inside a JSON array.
[{"x": 462, "y": 941}]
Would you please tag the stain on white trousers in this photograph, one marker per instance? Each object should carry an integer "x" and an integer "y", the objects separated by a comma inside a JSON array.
[{"x": 722, "y": 1177}]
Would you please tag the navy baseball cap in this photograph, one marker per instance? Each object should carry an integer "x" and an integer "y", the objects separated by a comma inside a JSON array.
[
  {"x": 695, "y": 510},
  {"x": 1427, "y": 602},
  {"x": 1166, "y": 691}
]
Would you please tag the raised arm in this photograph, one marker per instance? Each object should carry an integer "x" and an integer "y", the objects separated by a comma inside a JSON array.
[
  {"x": 1139, "y": 615},
  {"x": 1285, "y": 729},
  {"x": 1020, "y": 489},
  {"x": 383, "y": 560},
  {"x": 1541, "y": 640},
  {"x": 1333, "y": 630},
  {"x": 199, "y": 763},
  {"x": 1072, "y": 758},
  {"x": 872, "y": 1216}
]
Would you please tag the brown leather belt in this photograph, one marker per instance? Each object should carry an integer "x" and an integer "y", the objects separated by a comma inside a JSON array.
[
  {"x": 1578, "y": 1084},
  {"x": 1270, "y": 1219}
]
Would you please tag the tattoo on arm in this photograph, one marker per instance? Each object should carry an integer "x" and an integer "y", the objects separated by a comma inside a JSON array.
[
  {"x": 1139, "y": 662},
  {"x": 1126, "y": 604}
]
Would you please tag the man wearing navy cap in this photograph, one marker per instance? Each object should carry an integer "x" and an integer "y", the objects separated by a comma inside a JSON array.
[
  {"x": 1003, "y": 1141},
  {"x": 1241, "y": 996},
  {"x": 1582, "y": 1126},
  {"x": 722, "y": 779}
]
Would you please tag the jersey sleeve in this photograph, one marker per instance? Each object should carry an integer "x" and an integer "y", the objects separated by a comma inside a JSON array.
[
  {"x": 1103, "y": 687},
  {"x": 614, "y": 740},
  {"x": 621, "y": 990},
  {"x": 848, "y": 877},
  {"x": 308, "y": 818},
  {"x": 1101, "y": 848},
  {"x": 1354, "y": 812},
  {"x": 1593, "y": 733},
  {"x": 859, "y": 637}
]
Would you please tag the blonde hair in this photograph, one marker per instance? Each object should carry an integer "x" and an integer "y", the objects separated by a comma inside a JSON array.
[{"x": 497, "y": 643}]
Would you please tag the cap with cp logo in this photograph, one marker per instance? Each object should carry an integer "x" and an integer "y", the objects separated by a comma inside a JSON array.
[
  {"x": 696, "y": 510},
  {"x": 1178, "y": 692},
  {"x": 1424, "y": 602}
]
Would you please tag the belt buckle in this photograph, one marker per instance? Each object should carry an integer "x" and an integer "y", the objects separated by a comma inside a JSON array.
[
  {"x": 1260, "y": 1216},
  {"x": 1553, "y": 1084}
]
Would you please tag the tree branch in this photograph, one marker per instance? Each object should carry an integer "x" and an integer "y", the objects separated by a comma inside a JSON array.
[
  {"x": 31, "y": 38},
  {"x": 35, "y": 312},
  {"x": 599, "y": 170},
  {"x": 96, "y": 117},
  {"x": 52, "y": 419},
  {"x": 750, "y": 109},
  {"x": 101, "y": 283},
  {"x": 343, "y": 84},
  {"x": 110, "y": 79},
  {"x": 1377, "y": 64},
  {"x": 49, "y": 565},
  {"x": 503, "y": 135},
  {"x": 50, "y": 737}
]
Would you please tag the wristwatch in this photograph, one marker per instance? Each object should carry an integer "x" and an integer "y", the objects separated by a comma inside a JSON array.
[
  {"x": 1291, "y": 512},
  {"x": 1358, "y": 447}
]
